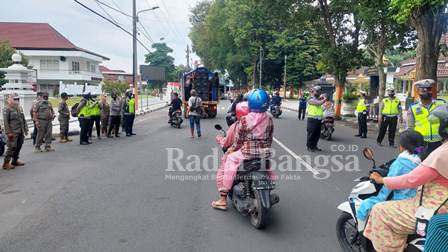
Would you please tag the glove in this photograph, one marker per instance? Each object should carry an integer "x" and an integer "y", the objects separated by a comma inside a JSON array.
[{"x": 10, "y": 137}]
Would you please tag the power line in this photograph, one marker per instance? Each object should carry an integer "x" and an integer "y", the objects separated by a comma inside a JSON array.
[
  {"x": 165, "y": 23},
  {"x": 107, "y": 13},
  {"x": 145, "y": 33},
  {"x": 112, "y": 22},
  {"x": 110, "y": 7},
  {"x": 166, "y": 14}
]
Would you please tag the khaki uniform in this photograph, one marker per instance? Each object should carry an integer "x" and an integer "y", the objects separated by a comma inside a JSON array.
[
  {"x": 34, "y": 134},
  {"x": 15, "y": 124},
  {"x": 44, "y": 115},
  {"x": 63, "y": 118},
  {"x": 105, "y": 114}
]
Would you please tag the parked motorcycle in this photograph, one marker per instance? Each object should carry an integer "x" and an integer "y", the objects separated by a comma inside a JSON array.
[
  {"x": 2, "y": 142},
  {"x": 251, "y": 191},
  {"x": 327, "y": 128},
  {"x": 176, "y": 119},
  {"x": 276, "y": 111},
  {"x": 349, "y": 229}
]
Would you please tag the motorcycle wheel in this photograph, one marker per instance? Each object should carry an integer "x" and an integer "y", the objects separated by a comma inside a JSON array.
[
  {"x": 258, "y": 216},
  {"x": 329, "y": 136},
  {"x": 2, "y": 149},
  {"x": 347, "y": 233}
]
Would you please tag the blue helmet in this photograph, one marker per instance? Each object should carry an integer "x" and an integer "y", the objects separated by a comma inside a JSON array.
[{"x": 258, "y": 100}]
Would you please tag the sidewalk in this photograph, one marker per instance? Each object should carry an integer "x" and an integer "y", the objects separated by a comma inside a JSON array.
[{"x": 74, "y": 124}]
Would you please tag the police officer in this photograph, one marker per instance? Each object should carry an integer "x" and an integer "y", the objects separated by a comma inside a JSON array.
[
  {"x": 105, "y": 114},
  {"x": 35, "y": 101},
  {"x": 418, "y": 116},
  {"x": 83, "y": 112},
  {"x": 314, "y": 122},
  {"x": 115, "y": 115},
  {"x": 64, "y": 119},
  {"x": 95, "y": 116},
  {"x": 389, "y": 117},
  {"x": 16, "y": 129},
  {"x": 43, "y": 118},
  {"x": 361, "y": 108},
  {"x": 129, "y": 112}
]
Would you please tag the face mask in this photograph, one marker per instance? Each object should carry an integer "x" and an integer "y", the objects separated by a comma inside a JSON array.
[
  {"x": 391, "y": 95},
  {"x": 426, "y": 96}
]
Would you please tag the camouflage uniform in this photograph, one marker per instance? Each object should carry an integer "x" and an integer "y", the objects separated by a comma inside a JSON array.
[
  {"x": 43, "y": 116},
  {"x": 64, "y": 118},
  {"x": 15, "y": 124}
]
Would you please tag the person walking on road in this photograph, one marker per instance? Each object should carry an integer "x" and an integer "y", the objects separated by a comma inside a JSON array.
[
  {"x": 194, "y": 112},
  {"x": 35, "y": 101},
  {"x": 95, "y": 117},
  {"x": 314, "y": 122},
  {"x": 302, "y": 107},
  {"x": 43, "y": 117},
  {"x": 361, "y": 108},
  {"x": 419, "y": 113},
  {"x": 105, "y": 114},
  {"x": 129, "y": 113},
  {"x": 16, "y": 129},
  {"x": 115, "y": 115},
  {"x": 64, "y": 119},
  {"x": 389, "y": 117},
  {"x": 83, "y": 112}
]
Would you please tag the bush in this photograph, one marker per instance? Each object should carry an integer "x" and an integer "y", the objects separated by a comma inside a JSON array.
[
  {"x": 118, "y": 86},
  {"x": 350, "y": 94}
]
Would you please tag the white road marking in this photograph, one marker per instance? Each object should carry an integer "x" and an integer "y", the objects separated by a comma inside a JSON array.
[{"x": 294, "y": 155}]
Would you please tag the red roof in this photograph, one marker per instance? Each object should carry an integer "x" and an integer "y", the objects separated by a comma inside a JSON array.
[
  {"x": 37, "y": 36},
  {"x": 110, "y": 71}
]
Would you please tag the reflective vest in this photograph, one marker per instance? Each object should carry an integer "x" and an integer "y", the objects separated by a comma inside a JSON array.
[
  {"x": 390, "y": 106},
  {"x": 132, "y": 106},
  {"x": 86, "y": 111},
  {"x": 361, "y": 107},
  {"x": 428, "y": 129},
  {"x": 95, "y": 109},
  {"x": 315, "y": 111}
]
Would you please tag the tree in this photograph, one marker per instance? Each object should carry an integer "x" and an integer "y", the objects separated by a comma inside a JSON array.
[
  {"x": 6, "y": 52},
  {"x": 115, "y": 86},
  {"x": 430, "y": 19},
  {"x": 161, "y": 58}
]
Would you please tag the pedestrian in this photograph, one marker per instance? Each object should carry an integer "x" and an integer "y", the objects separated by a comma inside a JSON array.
[
  {"x": 314, "y": 115},
  {"x": 194, "y": 112},
  {"x": 129, "y": 113},
  {"x": 105, "y": 114},
  {"x": 361, "y": 108},
  {"x": 302, "y": 107},
  {"x": 16, "y": 129},
  {"x": 115, "y": 115},
  {"x": 64, "y": 119},
  {"x": 83, "y": 111},
  {"x": 43, "y": 118},
  {"x": 35, "y": 101},
  {"x": 419, "y": 113},
  {"x": 95, "y": 117},
  {"x": 389, "y": 117}
]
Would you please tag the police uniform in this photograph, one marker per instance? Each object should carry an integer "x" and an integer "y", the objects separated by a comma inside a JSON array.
[
  {"x": 64, "y": 119},
  {"x": 95, "y": 118},
  {"x": 84, "y": 114},
  {"x": 129, "y": 115},
  {"x": 15, "y": 125},
  {"x": 361, "y": 108},
  {"x": 105, "y": 115},
  {"x": 314, "y": 122},
  {"x": 43, "y": 116},
  {"x": 390, "y": 112},
  {"x": 35, "y": 101}
]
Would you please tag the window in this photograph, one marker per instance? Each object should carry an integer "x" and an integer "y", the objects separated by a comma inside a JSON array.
[
  {"x": 75, "y": 67},
  {"x": 91, "y": 67},
  {"x": 49, "y": 65}
]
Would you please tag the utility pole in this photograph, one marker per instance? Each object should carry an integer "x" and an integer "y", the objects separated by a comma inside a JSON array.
[
  {"x": 261, "y": 65},
  {"x": 284, "y": 79},
  {"x": 134, "y": 52},
  {"x": 188, "y": 57}
]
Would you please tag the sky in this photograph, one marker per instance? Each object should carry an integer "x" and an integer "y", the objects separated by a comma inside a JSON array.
[{"x": 169, "y": 23}]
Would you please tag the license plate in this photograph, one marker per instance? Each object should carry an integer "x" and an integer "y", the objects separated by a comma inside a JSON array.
[{"x": 263, "y": 184}]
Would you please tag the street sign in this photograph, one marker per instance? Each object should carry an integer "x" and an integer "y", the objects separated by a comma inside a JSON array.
[{"x": 152, "y": 73}]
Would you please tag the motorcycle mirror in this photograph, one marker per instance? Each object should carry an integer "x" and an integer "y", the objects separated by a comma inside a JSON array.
[
  {"x": 218, "y": 127},
  {"x": 368, "y": 153}
]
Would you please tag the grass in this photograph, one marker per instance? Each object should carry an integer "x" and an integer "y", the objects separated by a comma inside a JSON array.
[{"x": 445, "y": 97}]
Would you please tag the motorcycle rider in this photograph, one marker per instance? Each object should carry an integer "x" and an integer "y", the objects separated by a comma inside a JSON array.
[
  {"x": 276, "y": 100},
  {"x": 253, "y": 140},
  {"x": 175, "y": 105},
  {"x": 419, "y": 113},
  {"x": 230, "y": 117}
]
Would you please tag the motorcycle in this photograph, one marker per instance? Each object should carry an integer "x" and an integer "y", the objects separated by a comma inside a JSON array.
[
  {"x": 276, "y": 111},
  {"x": 231, "y": 116},
  {"x": 251, "y": 191},
  {"x": 349, "y": 229},
  {"x": 327, "y": 128},
  {"x": 2, "y": 142},
  {"x": 176, "y": 119}
]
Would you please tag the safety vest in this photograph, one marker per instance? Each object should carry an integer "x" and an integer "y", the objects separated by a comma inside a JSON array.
[
  {"x": 390, "y": 106},
  {"x": 361, "y": 107},
  {"x": 428, "y": 129},
  {"x": 315, "y": 111},
  {"x": 132, "y": 106},
  {"x": 86, "y": 111},
  {"x": 95, "y": 109}
]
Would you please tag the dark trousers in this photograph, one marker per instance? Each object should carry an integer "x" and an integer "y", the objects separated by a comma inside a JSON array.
[
  {"x": 302, "y": 110},
  {"x": 34, "y": 134},
  {"x": 313, "y": 132},
  {"x": 362, "y": 124},
  {"x": 84, "y": 124},
  {"x": 129, "y": 123},
  {"x": 115, "y": 122},
  {"x": 97, "y": 121},
  {"x": 391, "y": 123},
  {"x": 430, "y": 147},
  {"x": 14, "y": 148}
]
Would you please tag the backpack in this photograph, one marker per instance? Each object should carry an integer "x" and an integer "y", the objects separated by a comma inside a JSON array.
[
  {"x": 195, "y": 107},
  {"x": 74, "y": 110}
]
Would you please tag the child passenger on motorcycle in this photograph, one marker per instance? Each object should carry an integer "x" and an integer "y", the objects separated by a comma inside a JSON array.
[
  {"x": 411, "y": 145},
  {"x": 253, "y": 139}
]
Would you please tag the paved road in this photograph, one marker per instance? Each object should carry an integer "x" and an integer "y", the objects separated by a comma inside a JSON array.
[{"x": 115, "y": 196}]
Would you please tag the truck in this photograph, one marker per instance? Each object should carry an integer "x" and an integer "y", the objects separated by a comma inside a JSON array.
[{"x": 200, "y": 79}]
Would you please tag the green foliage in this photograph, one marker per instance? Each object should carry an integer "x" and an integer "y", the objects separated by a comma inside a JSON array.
[
  {"x": 350, "y": 94},
  {"x": 161, "y": 58},
  {"x": 404, "y": 9},
  {"x": 118, "y": 86},
  {"x": 6, "y": 51}
]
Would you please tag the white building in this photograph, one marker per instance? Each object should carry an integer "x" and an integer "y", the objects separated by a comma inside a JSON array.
[{"x": 60, "y": 65}]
